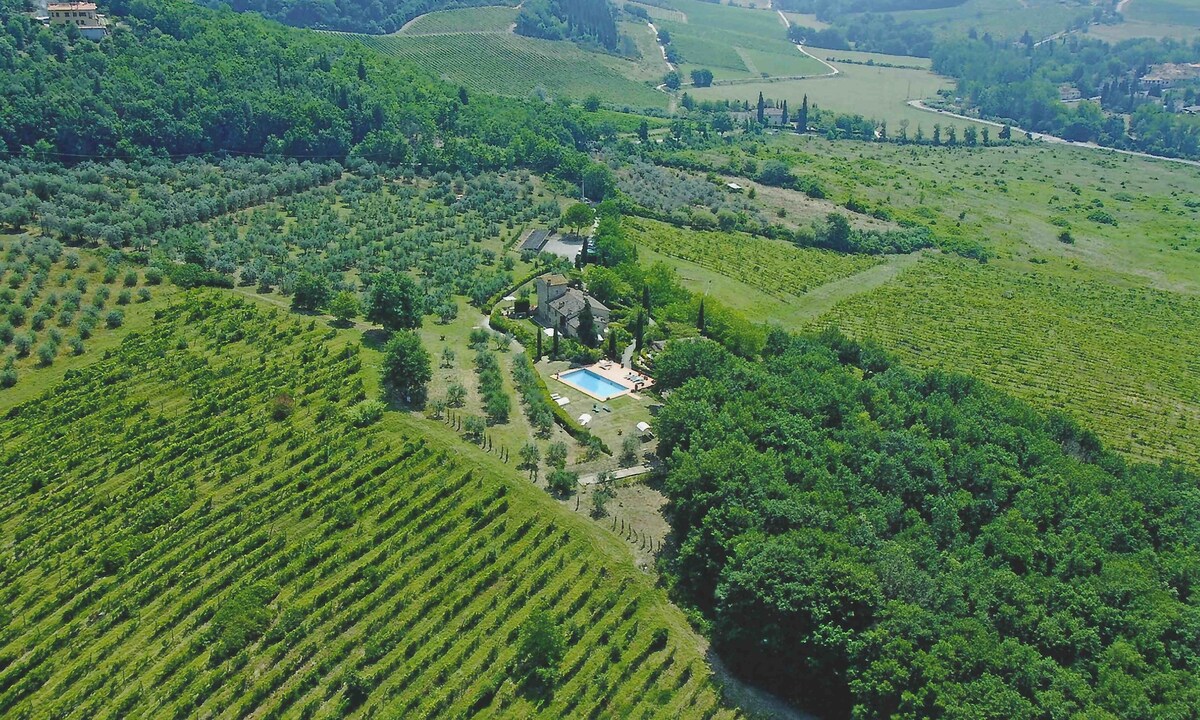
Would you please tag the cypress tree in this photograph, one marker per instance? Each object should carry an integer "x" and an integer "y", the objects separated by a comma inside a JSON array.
[
  {"x": 762, "y": 106},
  {"x": 700, "y": 318},
  {"x": 784, "y": 119},
  {"x": 646, "y": 298},
  {"x": 639, "y": 329},
  {"x": 802, "y": 120},
  {"x": 554, "y": 345},
  {"x": 612, "y": 345},
  {"x": 539, "y": 345}
]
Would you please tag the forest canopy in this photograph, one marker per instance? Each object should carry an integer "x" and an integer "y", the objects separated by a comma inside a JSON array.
[
  {"x": 875, "y": 542},
  {"x": 364, "y": 16},
  {"x": 184, "y": 80},
  {"x": 590, "y": 20}
]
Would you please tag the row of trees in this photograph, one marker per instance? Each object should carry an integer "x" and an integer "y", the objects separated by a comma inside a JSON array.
[{"x": 876, "y": 542}]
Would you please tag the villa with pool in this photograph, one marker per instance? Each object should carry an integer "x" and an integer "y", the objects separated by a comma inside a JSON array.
[{"x": 605, "y": 380}]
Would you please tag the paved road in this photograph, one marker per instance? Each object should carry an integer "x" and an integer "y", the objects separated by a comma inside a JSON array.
[{"x": 1052, "y": 138}]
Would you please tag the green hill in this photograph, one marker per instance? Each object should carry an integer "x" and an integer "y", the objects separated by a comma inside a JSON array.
[{"x": 212, "y": 520}]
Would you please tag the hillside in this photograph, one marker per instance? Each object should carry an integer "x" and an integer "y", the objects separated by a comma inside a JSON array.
[
  {"x": 216, "y": 509},
  {"x": 376, "y": 17}
]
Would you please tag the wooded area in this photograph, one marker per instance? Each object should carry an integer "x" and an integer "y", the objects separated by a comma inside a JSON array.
[{"x": 876, "y": 542}]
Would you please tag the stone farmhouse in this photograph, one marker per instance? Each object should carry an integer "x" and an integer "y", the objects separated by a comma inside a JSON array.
[
  {"x": 559, "y": 305},
  {"x": 82, "y": 15}
]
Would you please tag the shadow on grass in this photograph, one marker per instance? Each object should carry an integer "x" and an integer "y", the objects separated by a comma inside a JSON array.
[{"x": 376, "y": 339}]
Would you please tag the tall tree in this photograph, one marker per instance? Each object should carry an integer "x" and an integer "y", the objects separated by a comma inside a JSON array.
[
  {"x": 762, "y": 108},
  {"x": 406, "y": 366},
  {"x": 396, "y": 302},
  {"x": 587, "y": 325},
  {"x": 700, "y": 317},
  {"x": 802, "y": 120}
]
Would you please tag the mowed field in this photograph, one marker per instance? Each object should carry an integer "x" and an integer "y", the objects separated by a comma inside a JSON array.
[
  {"x": 212, "y": 520},
  {"x": 1103, "y": 328},
  {"x": 871, "y": 91}
]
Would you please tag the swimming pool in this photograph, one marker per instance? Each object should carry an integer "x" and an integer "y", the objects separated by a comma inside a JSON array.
[{"x": 593, "y": 384}]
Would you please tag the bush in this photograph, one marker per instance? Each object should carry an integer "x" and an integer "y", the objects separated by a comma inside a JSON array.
[
  {"x": 282, "y": 407},
  {"x": 114, "y": 319},
  {"x": 367, "y": 412}
]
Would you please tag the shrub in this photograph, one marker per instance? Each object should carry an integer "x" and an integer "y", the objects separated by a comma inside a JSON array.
[
  {"x": 367, "y": 412},
  {"x": 282, "y": 407},
  {"x": 114, "y": 319}
]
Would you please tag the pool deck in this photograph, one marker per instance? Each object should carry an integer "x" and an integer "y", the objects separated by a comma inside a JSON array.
[{"x": 631, "y": 380}]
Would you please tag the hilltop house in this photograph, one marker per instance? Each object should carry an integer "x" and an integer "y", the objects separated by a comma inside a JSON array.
[
  {"x": 559, "y": 305},
  {"x": 82, "y": 15}
]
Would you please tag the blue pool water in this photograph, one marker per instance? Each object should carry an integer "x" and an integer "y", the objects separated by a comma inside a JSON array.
[{"x": 595, "y": 385}]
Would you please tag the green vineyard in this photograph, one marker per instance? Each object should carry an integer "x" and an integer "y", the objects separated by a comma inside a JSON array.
[
  {"x": 202, "y": 524},
  {"x": 774, "y": 267},
  {"x": 517, "y": 66},
  {"x": 480, "y": 19},
  {"x": 1121, "y": 360}
]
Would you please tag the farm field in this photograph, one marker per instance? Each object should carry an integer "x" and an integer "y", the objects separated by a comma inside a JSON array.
[
  {"x": 1001, "y": 18},
  {"x": 1117, "y": 32},
  {"x": 515, "y": 66},
  {"x": 776, "y": 268},
  {"x": 1093, "y": 349},
  {"x": 224, "y": 488},
  {"x": 734, "y": 42},
  {"x": 477, "y": 19},
  {"x": 873, "y": 92},
  {"x": 1077, "y": 326},
  {"x": 1018, "y": 199},
  {"x": 59, "y": 306},
  {"x": 1178, "y": 13}
]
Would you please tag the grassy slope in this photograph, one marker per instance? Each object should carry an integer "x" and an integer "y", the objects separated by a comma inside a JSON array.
[
  {"x": 165, "y": 512},
  {"x": 1080, "y": 327},
  {"x": 514, "y": 66}
]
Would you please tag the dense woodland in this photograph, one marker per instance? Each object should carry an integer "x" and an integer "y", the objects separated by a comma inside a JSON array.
[
  {"x": 376, "y": 16},
  {"x": 876, "y": 542},
  {"x": 587, "y": 20},
  {"x": 186, "y": 80}
]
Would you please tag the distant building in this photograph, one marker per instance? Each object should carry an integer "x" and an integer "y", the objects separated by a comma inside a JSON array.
[
  {"x": 1192, "y": 110},
  {"x": 82, "y": 15},
  {"x": 559, "y": 305},
  {"x": 1067, "y": 93},
  {"x": 1168, "y": 75}
]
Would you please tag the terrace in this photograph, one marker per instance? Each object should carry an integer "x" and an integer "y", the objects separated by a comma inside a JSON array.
[{"x": 605, "y": 380}]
